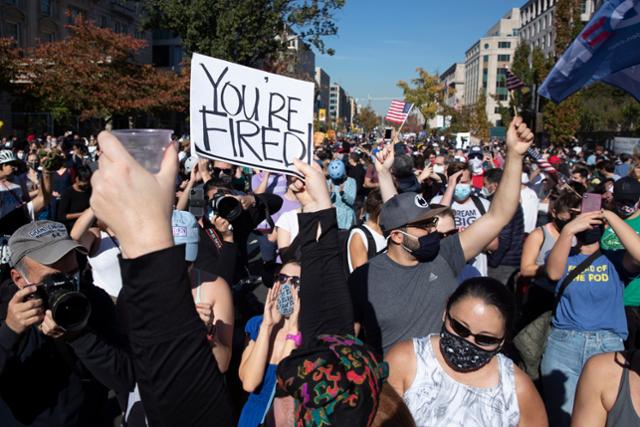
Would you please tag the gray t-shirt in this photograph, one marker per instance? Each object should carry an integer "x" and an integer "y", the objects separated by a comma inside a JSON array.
[{"x": 394, "y": 302}]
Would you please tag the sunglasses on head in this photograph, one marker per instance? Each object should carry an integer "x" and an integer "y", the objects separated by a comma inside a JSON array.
[
  {"x": 283, "y": 278},
  {"x": 464, "y": 332},
  {"x": 217, "y": 171}
]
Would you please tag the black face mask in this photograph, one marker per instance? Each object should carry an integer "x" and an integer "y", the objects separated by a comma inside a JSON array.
[
  {"x": 461, "y": 355},
  {"x": 429, "y": 247},
  {"x": 589, "y": 237},
  {"x": 560, "y": 223}
]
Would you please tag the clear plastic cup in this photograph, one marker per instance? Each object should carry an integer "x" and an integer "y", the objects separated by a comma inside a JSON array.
[{"x": 145, "y": 145}]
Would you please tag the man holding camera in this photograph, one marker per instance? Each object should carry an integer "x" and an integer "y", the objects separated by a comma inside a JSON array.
[{"x": 42, "y": 382}]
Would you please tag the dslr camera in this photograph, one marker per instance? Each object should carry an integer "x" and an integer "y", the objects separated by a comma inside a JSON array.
[
  {"x": 70, "y": 307},
  {"x": 226, "y": 206}
]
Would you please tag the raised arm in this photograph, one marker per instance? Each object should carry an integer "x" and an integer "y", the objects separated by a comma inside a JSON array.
[
  {"x": 194, "y": 177},
  {"x": 255, "y": 357},
  {"x": 507, "y": 198},
  {"x": 44, "y": 192},
  {"x": 383, "y": 161},
  {"x": 179, "y": 381},
  {"x": 447, "y": 197},
  {"x": 82, "y": 232},
  {"x": 557, "y": 261},
  {"x": 629, "y": 239}
]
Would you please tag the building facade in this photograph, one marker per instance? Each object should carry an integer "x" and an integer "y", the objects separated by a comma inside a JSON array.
[
  {"x": 323, "y": 84},
  {"x": 338, "y": 107},
  {"x": 304, "y": 64},
  {"x": 538, "y": 27},
  {"x": 486, "y": 64},
  {"x": 453, "y": 85},
  {"x": 30, "y": 22}
]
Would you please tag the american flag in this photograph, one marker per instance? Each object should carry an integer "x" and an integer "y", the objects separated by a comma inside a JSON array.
[
  {"x": 542, "y": 163},
  {"x": 398, "y": 111},
  {"x": 513, "y": 82}
]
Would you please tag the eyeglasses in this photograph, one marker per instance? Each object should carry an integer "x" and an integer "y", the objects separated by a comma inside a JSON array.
[
  {"x": 449, "y": 233},
  {"x": 217, "y": 171},
  {"x": 283, "y": 278},
  {"x": 464, "y": 332}
]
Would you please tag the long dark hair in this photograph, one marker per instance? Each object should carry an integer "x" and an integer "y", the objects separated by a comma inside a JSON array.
[{"x": 492, "y": 292}]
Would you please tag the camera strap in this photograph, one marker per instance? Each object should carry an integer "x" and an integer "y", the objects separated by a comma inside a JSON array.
[{"x": 213, "y": 236}]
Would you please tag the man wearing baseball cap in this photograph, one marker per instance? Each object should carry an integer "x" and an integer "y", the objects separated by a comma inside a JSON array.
[
  {"x": 626, "y": 200},
  {"x": 42, "y": 382},
  {"x": 402, "y": 294}
]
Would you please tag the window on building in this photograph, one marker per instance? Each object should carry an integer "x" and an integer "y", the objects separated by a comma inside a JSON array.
[
  {"x": 485, "y": 58},
  {"x": 13, "y": 32},
  {"x": 45, "y": 7},
  {"x": 504, "y": 45},
  {"x": 486, "y": 45},
  {"x": 125, "y": 29},
  {"x": 504, "y": 58},
  {"x": 583, "y": 6},
  {"x": 496, "y": 110},
  {"x": 139, "y": 34},
  {"x": 104, "y": 22},
  {"x": 74, "y": 12},
  {"x": 161, "y": 56}
]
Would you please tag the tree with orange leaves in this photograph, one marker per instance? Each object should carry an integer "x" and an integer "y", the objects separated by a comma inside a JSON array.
[{"x": 92, "y": 73}]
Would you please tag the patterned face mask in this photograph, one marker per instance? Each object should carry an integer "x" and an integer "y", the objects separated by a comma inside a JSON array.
[{"x": 461, "y": 355}]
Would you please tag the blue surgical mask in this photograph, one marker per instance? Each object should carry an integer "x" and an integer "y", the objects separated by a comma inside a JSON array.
[
  {"x": 485, "y": 192},
  {"x": 462, "y": 192}
]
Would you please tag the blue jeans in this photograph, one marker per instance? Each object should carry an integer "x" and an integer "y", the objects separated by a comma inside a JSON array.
[{"x": 564, "y": 356}]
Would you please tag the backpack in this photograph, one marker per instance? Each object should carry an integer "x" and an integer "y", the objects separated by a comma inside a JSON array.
[{"x": 479, "y": 205}]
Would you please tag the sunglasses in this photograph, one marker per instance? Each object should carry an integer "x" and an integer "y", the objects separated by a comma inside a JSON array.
[
  {"x": 427, "y": 225},
  {"x": 449, "y": 233},
  {"x": 464, "y": 332},
  {"x": 216, "y": 171},
  {"x": 283, "y": 278}
]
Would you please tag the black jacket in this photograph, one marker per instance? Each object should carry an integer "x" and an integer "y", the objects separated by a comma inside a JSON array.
[{"x": 42, "y": 381}]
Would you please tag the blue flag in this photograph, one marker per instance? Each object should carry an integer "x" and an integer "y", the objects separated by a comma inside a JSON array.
[{"x": 608, "y": 50}]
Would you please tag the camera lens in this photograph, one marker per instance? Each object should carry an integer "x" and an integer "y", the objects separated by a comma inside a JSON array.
[{"x": 70, "y": 309}]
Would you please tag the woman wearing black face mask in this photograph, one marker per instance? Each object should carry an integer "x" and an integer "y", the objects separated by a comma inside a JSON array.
[
  {"x": 589, "y": 318},
  {"x": 460, "y": 377},
  {"x": 537, "y": 246}
]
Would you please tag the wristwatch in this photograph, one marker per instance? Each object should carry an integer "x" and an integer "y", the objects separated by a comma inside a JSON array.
[{"x": 296, "y": 338}]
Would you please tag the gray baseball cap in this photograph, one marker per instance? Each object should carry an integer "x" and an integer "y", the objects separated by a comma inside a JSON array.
[
  {"x": 43, "y": 241},
  {"x": 405, "y": 209}
]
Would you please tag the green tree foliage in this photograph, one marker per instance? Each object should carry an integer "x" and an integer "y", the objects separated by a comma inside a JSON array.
[
  {"x": 562, "y": 121},
  {"x": 606, "y": 108},
  {"x": 424, "y": 92},
  {"x": 248, "y": 32},
  {"x": 479, "y": 124},
  {"x": 567, "y": 24},
  {"x": 367, "y": 119}
]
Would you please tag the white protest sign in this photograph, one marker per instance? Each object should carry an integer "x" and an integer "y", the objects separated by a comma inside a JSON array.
[{"x": 249, "y": 117}]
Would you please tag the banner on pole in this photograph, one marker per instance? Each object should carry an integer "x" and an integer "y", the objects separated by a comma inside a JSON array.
[{"x": 249, "y": 117}]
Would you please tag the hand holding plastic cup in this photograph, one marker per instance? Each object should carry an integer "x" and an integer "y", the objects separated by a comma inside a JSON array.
[{"x": 146, "y": 146}]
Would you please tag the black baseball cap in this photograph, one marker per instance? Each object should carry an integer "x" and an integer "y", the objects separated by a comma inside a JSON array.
[
  {"x": 626, "y": 189},
  {"x": 405, "y": 209}
]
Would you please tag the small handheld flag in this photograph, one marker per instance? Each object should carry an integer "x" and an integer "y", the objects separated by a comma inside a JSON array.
[{"x": 398, "y": 112}]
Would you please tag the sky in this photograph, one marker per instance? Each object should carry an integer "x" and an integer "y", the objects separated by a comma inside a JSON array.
[{"x": 380, "y": 42}]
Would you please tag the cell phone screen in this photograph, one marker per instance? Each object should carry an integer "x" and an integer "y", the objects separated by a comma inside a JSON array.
[
  {"x": 591, "y": 202},
  {"x": 387, "y": 133}
]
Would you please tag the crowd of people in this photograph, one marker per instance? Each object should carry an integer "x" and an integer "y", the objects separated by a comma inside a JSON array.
[{"x": 402, "y": 282}]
